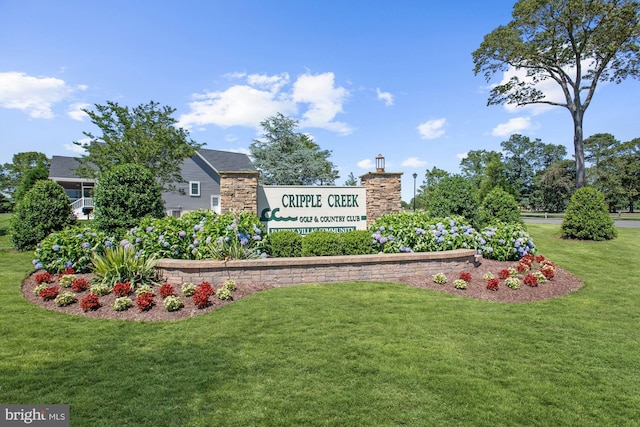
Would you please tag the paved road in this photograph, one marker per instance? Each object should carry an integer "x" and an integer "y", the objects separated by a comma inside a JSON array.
[{"x": 622, "y": 224}]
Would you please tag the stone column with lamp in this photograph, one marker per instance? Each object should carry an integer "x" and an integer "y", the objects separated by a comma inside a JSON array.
[{"x": 384, "y": 191}]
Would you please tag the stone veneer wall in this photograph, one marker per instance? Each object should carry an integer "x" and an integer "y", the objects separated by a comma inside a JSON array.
[
  {"x": 239, "y": 191},
  {"x": 293, "y": 271},
  {"x": 383, "y": 193}
]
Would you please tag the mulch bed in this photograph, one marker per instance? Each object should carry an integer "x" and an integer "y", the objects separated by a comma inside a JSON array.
[{"x": 562, "y": 284}]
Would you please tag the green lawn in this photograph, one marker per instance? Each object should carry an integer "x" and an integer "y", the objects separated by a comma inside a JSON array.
[{"x": 346, "y": 354}]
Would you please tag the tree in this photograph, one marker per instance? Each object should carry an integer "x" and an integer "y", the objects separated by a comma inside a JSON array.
[
  {"x": 575, "y": 43},
  {"x": 11, "y": 173},
  {"x": 431, "y": 179},
  {"x": 629, "y": 156},
  {"x": 553, "y": 187},
  {"x": 454, "y": 195},
  {"x": 351, "y": 181},
  {"x": 486, "y": 170},
  {"x": 29, "y": 178},
  {"x": 524, "y": 158},
  {"x": 598, "y": 148},
  {"x": 285, "y": 157},
  {"x": 124, "y": 196},
  {"x": 146, "y": 135},
  {"x": 43, "y": 209}
]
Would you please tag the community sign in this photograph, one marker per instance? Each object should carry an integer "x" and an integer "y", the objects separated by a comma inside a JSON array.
[{"x": 306, "y": 208}]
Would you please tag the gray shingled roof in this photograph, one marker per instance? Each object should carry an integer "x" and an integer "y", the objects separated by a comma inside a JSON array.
[
  {"x": 226, "y": 161},
  {"x": 223, "y": 161}
]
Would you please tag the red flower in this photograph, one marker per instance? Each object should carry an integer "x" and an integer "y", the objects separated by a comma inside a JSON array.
[
  {"x": 166, "y": 290},
  {"x": 145, "y": 301},
  {"x": 466, "y": 276},
  {"x": 44, "y": 277},
  {"x": 529, "y": 258},
  {"x": 80, "y": 285},
  {"x": 67, "y": 270},
  {"x": 523, "y": 267},
  {"x": 122, "y": 289},
  {"x": 206, "y": 288},
  {"x": 90, "y": 302},
  {"x": 49, "y": 293},
  {"x": 492, "y": 284},
  {"x": 504, "y": 273},
  {"x": 548, "y": 272},
  {"x": 539, "y": 259},
  {"x": 531, "y": 280},
  {"x": 201, "y": 295}
]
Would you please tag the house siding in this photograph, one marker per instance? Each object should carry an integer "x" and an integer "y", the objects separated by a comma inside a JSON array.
[{"x": 193, "y": 169}]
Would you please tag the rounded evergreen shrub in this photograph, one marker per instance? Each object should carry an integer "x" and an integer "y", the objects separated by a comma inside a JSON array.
[
  {"x": 125, "y": 195},
  {"x": 284, "y": 243},
  {"x": 357, "y": 242},
  {"x": 322, "y": 243},
  {"x": 45, "y": 208},
  {"x": 587, "y": 217},
  {"x": 499, "y": 206},
  {"x": 454, "y": 196}
]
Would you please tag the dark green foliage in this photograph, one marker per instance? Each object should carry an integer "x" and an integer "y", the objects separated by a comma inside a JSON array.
[
  {"x": 454, "y": 195},
  {"x": 587, "y": 218},
  {"x": 6, "y": 204},
  {"x": 45, "y": 208},
  {"x": 499, "y": 206},
  {"x": 322, "y": 243},
  {"x": 357, "y": 242},
  {"x": 29, "y": 178},
  {"x": 11, "y": 174},
  {"x": 284, "y": 243},
  {"x": 125, "y": 195}
]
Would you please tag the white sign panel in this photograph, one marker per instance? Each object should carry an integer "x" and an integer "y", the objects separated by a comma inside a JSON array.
[{"x": 304, "y": 208}]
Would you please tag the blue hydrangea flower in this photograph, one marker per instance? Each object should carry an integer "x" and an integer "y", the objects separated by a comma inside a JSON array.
[
  {"x": 55, "y": 248},
  {"x": 182, "y": 233}
]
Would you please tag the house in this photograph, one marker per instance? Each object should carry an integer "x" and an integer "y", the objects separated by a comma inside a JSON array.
[{"x": 201, "y": 189}]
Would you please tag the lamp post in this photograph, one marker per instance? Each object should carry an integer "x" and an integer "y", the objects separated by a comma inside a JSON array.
[
  {"x": 415, "y": 175},
  {"x": 380, "y": 163}
]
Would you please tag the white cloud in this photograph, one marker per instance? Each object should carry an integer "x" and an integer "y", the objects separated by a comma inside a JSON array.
[
  {"x": 32, "y": 95},
  {"x": 387, "y": 97},
  {"x": 75, "y": 148},
  {"x": 263, "y": 96},
  {"x": 324, "y": 101},
  {"x": 432, "y": 129},
  {"x": 414, "y": 162},
  {"x": 514, "y": 125},
  {"x": 366, "y": 164},
  {"x": 462, "y": 155},
  {"x": 76, "y": 113}
]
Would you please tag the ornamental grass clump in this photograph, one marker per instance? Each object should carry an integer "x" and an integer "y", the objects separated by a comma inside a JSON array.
[
  {"x": 65, "y": 298},
  {"x": 123, "y": 264}
]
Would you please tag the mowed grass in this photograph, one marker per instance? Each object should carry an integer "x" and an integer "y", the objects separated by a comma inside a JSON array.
[{"x": 346, "y": 354}]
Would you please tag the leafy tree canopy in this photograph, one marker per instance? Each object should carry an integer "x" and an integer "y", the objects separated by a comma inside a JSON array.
[
  {"x": 146, "y": 136},
  {"x": 574, "y": 43},
  {"x": 286, "y": 157},
  {"x": 351, "y": 181},
  {"x": 11, "y": 174}
]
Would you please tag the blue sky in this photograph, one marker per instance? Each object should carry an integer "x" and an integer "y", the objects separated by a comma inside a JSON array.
[{"x": 362, "y": 77}]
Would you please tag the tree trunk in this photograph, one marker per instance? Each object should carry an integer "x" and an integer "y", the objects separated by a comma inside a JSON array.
[{"x": 578, "y": 145}]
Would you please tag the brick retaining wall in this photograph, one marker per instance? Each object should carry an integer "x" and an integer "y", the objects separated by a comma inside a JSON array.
[{"x": 292, "y": 271}]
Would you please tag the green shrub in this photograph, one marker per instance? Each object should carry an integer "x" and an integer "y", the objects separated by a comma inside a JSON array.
[
  {"x": 65, "y": 299},
  {"x": 284, "y": 243},
  {"x": 454, "y": 196},
  {"x": 66, "y": 280},
  {"x": 194, "y": 235},
  {"x": 321, "y": 243},
  {"x": 587, "y": 217},
  {"x": 72, "y": 247},
  {"x": 501, "y": 206},
  {"x": 188, "y": 289},
  {"x": 100, "y": 289},
  {"x": 122, "y": 303},
  {"x": 45, "y": 208},
  {"x": 173, "y": 303},
  {"x": 224, "y": 294},
  {"x": 123, "y": 264},
  {"x": 144, "y": 289},
  {"x": 123, "y": 196},
  {"x": 357, "y": 242}
]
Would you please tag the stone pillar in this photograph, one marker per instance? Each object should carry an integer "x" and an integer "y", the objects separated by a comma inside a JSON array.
[
  {"x": 383, "y": 193},
  {"x": 239, "y": 191}
]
